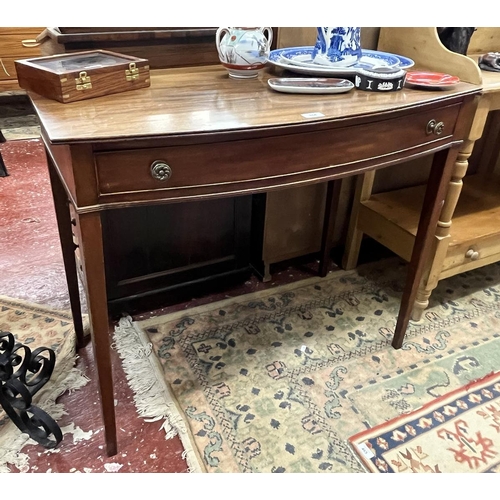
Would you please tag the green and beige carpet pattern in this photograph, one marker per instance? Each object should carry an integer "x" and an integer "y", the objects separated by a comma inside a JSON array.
[{"x": 279, "y": 380}]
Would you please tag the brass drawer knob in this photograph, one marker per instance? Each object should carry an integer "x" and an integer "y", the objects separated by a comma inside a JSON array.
[
  {"x": 160, "y": 170},
  {"x": 472, "y": 254},
  {"x": 30, "y": 43},
  {"x": 434, "y": 127}
]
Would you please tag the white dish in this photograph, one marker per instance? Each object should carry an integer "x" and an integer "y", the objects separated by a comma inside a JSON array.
[{"x": 310, "y": 85}]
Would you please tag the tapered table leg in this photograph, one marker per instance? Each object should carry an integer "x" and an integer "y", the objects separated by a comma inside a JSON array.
[
  {"x": 435, "y": 193},
  {"x": 63, "y": 217},
  {"x": 93, "y": 262},
  {"x": 331, "y": 206},
  {"x": 95, "y": 281}
]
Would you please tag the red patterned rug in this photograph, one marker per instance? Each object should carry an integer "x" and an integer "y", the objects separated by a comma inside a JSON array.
[{"x": 457, "y": 432}]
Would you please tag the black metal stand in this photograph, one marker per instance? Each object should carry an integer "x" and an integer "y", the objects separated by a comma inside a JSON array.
[
  {"x": 22, "y": 374},
  {"x": 3, "y": 168}
]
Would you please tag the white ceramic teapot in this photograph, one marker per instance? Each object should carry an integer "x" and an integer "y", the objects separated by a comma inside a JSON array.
[{"x": 243, "y": 51}]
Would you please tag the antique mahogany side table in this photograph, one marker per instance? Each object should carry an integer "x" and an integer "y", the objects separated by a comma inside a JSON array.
[{"x": 195, "y": 134}]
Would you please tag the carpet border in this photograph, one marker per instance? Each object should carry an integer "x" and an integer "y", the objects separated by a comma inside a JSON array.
[
  {"x": 15, "y": 302},
  {"x": 473, "y": 385}
]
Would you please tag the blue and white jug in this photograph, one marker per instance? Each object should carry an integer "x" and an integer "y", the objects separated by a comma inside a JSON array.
[{"x": 337, "y": 46}]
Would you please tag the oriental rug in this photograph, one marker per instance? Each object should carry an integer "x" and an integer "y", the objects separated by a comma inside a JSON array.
[
  {"x": 457, "y": 432},
  {"x": 18, "y": 123},
  {"x": 279, "y": 380},
  {"x": 38, "y": 326}
]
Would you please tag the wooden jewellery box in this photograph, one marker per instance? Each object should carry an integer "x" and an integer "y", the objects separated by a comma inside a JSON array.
[{"x": 82, "y": 75}]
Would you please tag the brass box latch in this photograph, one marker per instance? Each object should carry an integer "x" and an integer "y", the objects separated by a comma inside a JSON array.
[
  {"x": 83, "y": 81},
  {"x": 132, "y": 73}
]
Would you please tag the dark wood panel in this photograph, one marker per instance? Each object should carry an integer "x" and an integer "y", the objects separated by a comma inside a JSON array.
[
  {"x": 163, "y": 47},
  {"x": 154, "y": 249},
  {"x": 63, "y": 35}
]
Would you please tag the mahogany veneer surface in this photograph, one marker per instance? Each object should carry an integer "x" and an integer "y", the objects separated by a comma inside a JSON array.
[{"x": 205, "y": 100}]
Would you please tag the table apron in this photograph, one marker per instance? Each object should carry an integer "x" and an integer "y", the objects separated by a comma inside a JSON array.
[{"x": 199, "y": 170}]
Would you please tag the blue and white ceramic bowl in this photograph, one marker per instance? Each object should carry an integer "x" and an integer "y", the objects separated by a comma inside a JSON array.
[{"x": 299, "y": 60}]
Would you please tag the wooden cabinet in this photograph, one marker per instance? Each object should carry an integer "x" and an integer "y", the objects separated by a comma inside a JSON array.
[
  {"x": 15, "y": 43},
  {"x": 468, "y": 232}
]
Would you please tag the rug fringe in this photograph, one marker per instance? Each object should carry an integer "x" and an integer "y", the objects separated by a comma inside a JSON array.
[
  {"x": 356, "y": 457},
  {"x": 152, "y": 396}
]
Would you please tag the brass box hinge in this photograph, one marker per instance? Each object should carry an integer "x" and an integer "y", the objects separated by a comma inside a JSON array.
[
  {"x": 83, "y": 81},
  {"x": 132, "y": 73}
]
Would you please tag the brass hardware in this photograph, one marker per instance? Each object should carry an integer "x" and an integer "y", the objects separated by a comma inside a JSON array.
[
  {"x": 160, "y": 170},
  {"x": 3, "y": 67},
  {"x": 83, "y": 81},
  {"x": 434, "y": 127},
  {"x": 132, "y": 73},
  {"x": 30, "y": 43},
  {"x": 472, "y": 254}
]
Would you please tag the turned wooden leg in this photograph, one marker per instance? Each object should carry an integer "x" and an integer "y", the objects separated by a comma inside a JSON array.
[
  {"x": 61, "y": 205},
  {"x": 331, "y": 206},
  {"x": 93, "y": 263},
  {"x": 437, "y": 185},
  {"x": 432, "y": 274}
]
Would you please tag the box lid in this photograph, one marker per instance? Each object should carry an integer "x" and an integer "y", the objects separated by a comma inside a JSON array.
[{"x": 75, "y": 62}]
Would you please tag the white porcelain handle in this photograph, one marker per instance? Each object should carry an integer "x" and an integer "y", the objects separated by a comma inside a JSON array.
[
  {"x": 269, "y": 35},
  {"x": 218, "y": 36}
]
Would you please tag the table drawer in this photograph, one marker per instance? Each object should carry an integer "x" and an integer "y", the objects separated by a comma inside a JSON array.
[
  {"x": 283, "y": 159},
  {"x": 7, "y": 68},
  {"x": 12, "y": 46}
]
